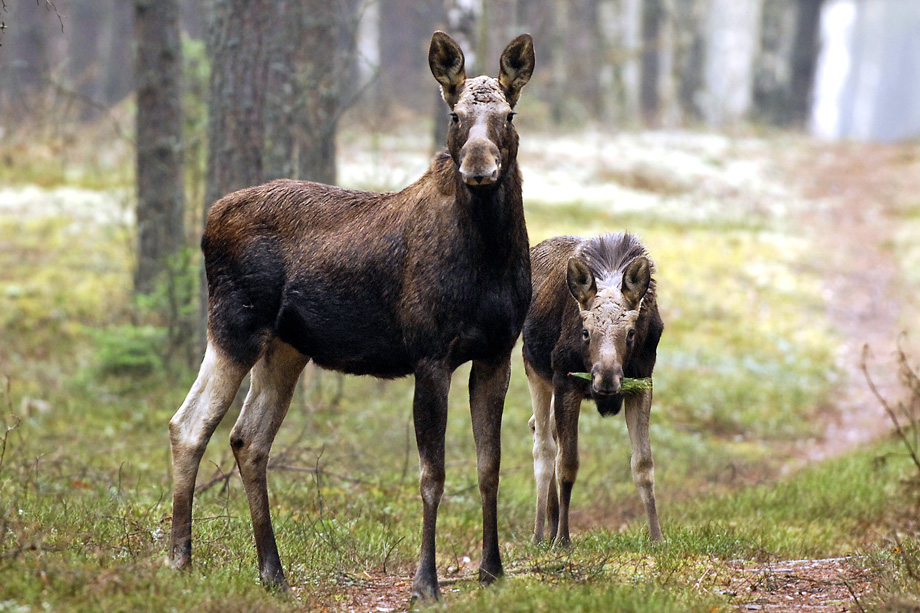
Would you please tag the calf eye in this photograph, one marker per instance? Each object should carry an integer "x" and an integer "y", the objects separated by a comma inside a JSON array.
[
  {"x": 585, "y": 335},
  {"x": 455, "y": 118},
  {"x": 631, "y": 335},
  {"x": 511, "y": 116}
]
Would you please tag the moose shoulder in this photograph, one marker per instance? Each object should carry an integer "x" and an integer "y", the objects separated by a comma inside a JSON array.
[
  {"x": 594, "y": 309},
  {"x": 414, "y": 282}
]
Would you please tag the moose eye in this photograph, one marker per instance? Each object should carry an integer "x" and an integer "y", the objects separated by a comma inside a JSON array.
[
  {"x": 511, "y": 116},
  {"x": 631, "y": 335},
  {"x": 455, "y": 118},
  {"x": 585, "y": 335}
]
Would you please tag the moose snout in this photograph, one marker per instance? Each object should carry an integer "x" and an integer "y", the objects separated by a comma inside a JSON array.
[
  {"x": 480, "y": 162},
  {"x": 606, "y": 381}
]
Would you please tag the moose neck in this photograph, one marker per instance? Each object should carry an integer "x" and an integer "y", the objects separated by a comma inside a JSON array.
[{"x": 496, "y": 213}]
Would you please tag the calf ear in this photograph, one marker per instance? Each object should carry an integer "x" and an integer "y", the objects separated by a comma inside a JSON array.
[
  {"x": 636, "y": 279},
  {"x": 581, "y": 282},
  {"x": 445, "y": 58},
  {"x": 516, "y": 67}
]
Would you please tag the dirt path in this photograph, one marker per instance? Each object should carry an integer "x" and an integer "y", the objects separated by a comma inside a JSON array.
[{"x": 859, "y": 191}]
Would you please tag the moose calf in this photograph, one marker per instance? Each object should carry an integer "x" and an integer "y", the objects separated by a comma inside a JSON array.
[
  {"x": 413, "y": 282},
  {"x": 594, "y": 309}
]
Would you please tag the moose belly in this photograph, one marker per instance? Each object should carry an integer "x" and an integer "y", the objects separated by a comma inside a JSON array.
[{"x": 366, "y": 343}]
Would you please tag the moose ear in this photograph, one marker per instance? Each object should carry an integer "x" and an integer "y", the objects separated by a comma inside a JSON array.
[
  {"x": 581, "y": 282},
  {"x": 445, "y": 58},
  {"x": 636, "y": 279},
  {"x": 516, "y": 67}
]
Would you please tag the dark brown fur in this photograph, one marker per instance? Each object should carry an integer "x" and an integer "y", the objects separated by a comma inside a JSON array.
[
  {"x": 413, "y": 282},
  {"x": 594, "y": 310}
]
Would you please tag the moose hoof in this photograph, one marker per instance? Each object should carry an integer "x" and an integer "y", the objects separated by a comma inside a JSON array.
[
  {"x": 490, "y": 576},
  {"x": 274, "y": 581},
  {"x": 424, "y": 592}
]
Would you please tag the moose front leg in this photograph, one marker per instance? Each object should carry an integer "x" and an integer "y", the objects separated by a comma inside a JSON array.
[
  {"x": 429, "y": 409},
  {"x": 488, "y": 386},
  {"x": 638, "y": 412},
  {"x": 567, "y": 407}
]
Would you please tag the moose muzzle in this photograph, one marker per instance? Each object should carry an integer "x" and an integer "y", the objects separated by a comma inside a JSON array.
[{"x": 480, "y": 162}]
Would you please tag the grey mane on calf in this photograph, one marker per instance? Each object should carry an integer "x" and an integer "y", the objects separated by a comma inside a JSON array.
[{"x": 608, "y": 255}]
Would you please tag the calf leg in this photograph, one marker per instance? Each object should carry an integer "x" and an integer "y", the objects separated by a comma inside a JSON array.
[
  {"x": 190, "y": 429},
  {"x": 567, "y": 408},
  {"x": 488, "y": 386},
  {"x": 429, "y": 409},
  {"x": 544, "y": 450},
  {"x": 273, "y": 380},
  {"x": 638, "y": 411}
]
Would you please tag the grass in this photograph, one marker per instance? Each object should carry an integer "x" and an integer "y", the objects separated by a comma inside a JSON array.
[{"x": 745, "y": 366}]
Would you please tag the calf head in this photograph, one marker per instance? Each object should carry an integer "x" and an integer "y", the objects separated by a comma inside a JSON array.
[
  {"x": 481, "y": 138},
  {"x": 609, "y": 314}
]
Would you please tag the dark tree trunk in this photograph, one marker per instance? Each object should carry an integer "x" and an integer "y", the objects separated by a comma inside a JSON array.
[
  {"x": 284, "y": 51},
  {"x": 591, "y": 49},
  {"x": 316, "y": 114},
  {"x": 236, "y": 46},
  {"x": 160, "y": 196},
  {"x": 117, "y": 79},
  {"x": 24, "y": 57},
  {"x": 786, "y": 64},
  {"x": 805, "y": 60},
  {"x": 653, "y": 15},
  {"x": 236, "y": 136},
  {"x": 83, "y": 66},
  {"x": 689, "y": 57},
  {"x": 309, "y": 68}
]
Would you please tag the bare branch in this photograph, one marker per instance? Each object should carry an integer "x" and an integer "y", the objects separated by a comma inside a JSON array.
[{"x": 891, "y": 413}]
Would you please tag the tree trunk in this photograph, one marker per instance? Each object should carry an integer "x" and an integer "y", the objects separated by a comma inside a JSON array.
[
  {"x": 24, "y": 57},
  {"x": 236, "y": 135},
  {"x": 117, "y": 79},
  {"x": 236, "y": 46},
  {"x": 320, "y": 91},
  {"x": 160, "y": 195},
  {"x": 689, "y": 57},
  {"x": 653, "y": 16},
  {"x": 805, "y": 60}
]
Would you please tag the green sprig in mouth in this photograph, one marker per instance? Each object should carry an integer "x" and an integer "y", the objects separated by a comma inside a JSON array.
[{"x": 628, "y": 387}]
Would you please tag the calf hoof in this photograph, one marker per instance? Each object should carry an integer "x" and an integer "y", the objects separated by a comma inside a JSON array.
[
  {"x": 180, "y": 557},
  {"x": 562, "y": 542}
]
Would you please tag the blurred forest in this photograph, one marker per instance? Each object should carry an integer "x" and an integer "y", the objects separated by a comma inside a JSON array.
[{"x": 229, "y": 93}]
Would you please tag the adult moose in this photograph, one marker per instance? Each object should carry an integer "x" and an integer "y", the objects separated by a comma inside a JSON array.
[
  {"x": 594, "y": 309},
  {"x": 413, "y": 282}
]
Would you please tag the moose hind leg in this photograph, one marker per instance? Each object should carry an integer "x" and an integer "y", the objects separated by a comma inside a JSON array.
[
  {"x": 190, "y": 429},
  {"x": 544, "y": 451},
  {"x": 638, "y": 412},
  {"x": 429, "y": 409},
  {"x": 488, "y": 386},
  {"x": 274, "y": 378}
]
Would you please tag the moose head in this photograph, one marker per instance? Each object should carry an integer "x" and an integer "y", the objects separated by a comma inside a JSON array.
[
  {"x": 609, "y": 311},
  {"x": 481, "y": 138}
]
